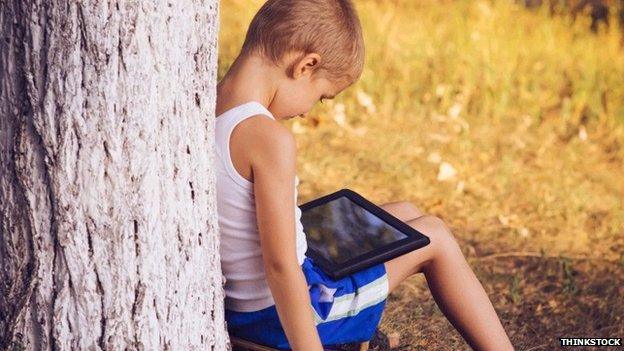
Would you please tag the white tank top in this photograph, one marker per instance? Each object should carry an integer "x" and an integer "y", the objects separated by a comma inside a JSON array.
[{"x": 246, "y": 288}]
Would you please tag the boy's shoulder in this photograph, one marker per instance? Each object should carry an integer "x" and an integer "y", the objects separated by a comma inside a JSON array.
[
  {"x": 259, "y": 130},
  {"x": 265, "y": 140},
  {"x": 270, "y": 137}
]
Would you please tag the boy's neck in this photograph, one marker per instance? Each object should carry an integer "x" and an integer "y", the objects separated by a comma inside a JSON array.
[{"x": 248, "y": 79}]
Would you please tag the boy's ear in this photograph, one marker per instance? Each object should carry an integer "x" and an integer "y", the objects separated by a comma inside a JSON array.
[{"x": 306, "y": 65}]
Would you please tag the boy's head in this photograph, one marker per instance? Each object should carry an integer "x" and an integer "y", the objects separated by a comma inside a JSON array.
[{"x": 319, "y": 44}]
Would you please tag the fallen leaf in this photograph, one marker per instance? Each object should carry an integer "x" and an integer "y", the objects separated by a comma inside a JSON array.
[{"x": 446, "y": 172}]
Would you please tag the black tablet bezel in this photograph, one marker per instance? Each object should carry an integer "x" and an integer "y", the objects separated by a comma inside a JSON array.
[{"x": 414, "y": 240}]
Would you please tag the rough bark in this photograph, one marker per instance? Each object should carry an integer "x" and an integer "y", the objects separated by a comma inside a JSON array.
[{"x": 108, "y": 220}]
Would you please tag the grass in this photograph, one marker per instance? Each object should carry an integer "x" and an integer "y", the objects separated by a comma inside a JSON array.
[{"x": 509, "y": 125}]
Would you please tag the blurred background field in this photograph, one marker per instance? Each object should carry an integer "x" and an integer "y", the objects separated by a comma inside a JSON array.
[{"x": 506, "y": 122}]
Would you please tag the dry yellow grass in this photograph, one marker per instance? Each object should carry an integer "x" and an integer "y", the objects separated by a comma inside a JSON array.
[{"x": 506, "y": 123}]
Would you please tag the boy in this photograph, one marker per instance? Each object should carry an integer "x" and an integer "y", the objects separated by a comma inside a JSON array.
[{"x": 297, "y": 52}]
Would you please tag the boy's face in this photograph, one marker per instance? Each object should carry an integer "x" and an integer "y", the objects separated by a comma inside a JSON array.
[{"x": 296, "y": 95}]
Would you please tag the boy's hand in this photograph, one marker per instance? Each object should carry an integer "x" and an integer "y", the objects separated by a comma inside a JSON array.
[{"x": 273, "y": 164}]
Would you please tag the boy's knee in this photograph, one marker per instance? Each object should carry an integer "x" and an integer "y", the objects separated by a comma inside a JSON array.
[
  {"x": 403, "y": 210},
  {"x": 440, "y": 236},
  {"x": 411, "y": 208}
]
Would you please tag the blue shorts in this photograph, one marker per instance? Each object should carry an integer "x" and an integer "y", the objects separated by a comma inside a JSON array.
[{"x": 345, "y": 310}]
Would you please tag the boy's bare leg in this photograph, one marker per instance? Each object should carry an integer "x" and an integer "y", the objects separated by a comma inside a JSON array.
[
  {"x": 453, "y": 284},
  {"x": 403, "y": 210}
]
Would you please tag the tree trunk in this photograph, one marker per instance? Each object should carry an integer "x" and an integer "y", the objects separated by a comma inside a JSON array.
[{"x": 108, "y": 219}]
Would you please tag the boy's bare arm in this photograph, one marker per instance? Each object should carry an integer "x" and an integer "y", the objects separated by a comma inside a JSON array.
[{"x": 274, "y": 166}]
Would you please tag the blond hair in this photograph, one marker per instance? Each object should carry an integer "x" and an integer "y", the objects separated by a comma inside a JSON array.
[{"x": 330, "y": 28}]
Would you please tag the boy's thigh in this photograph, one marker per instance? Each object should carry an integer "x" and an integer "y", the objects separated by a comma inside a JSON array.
[{"x": 403, "y": 210}]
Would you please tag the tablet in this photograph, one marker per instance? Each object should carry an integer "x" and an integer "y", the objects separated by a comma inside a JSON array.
[{"x": 346, "y": 233}]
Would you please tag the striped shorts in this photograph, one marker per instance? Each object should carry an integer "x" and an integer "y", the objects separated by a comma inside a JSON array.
[{"x": 345, "y": 310}]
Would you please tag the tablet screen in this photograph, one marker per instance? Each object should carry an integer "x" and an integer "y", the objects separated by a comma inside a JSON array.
[{"x": 341, "y": 230}]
